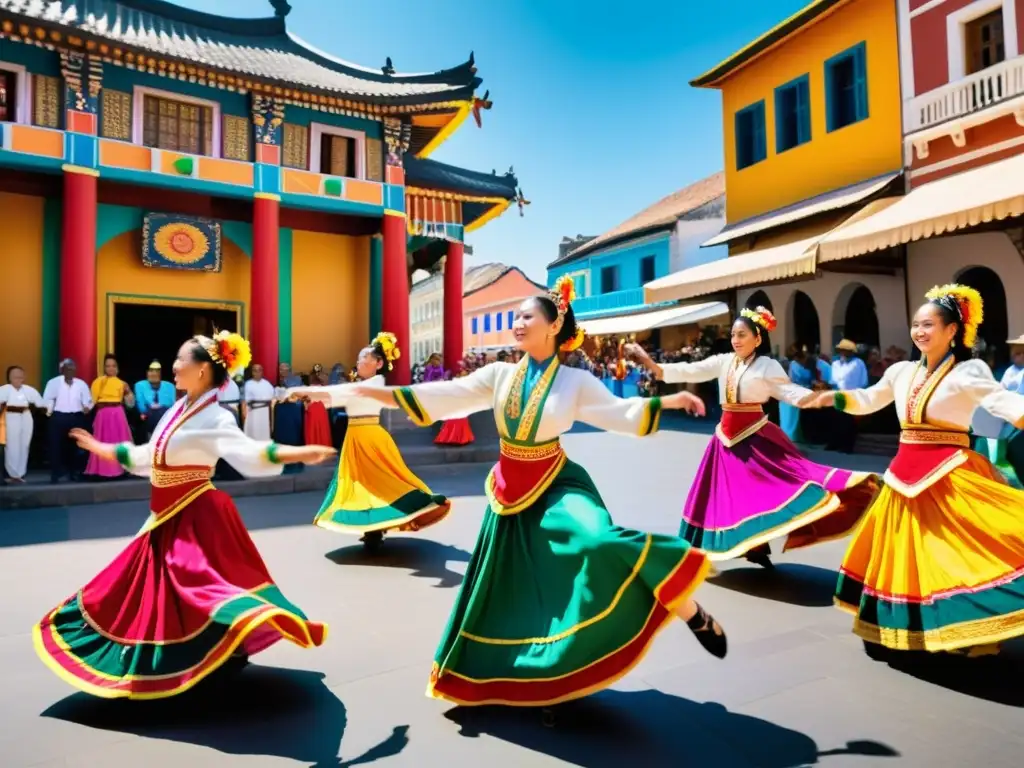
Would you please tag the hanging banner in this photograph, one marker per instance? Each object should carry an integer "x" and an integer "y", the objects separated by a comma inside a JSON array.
[{"x": 173, "y": 241}]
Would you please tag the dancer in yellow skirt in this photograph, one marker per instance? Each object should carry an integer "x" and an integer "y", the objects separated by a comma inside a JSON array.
[
  {"x": 373, "y": 491},
  {"x": 937, "y": 563}
]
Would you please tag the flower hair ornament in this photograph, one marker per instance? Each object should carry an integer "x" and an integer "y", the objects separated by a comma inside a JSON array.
[
  {"x": 762, "y": 317},
  {"x": 388, "y": 344},
  {"x": 964, "y": 302},
  {"x": 563, "y": 295},
  {"x": 228, "y": 350}
]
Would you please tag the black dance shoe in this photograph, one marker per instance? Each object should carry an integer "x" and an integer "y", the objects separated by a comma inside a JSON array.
[
  {"x": 372, "y": 540},
  {"x": 761, "y": 556},
  {"x": 708, "y": 633}
]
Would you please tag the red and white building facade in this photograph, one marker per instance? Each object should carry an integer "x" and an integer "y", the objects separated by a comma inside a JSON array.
[{"x": 962, "y": 82}]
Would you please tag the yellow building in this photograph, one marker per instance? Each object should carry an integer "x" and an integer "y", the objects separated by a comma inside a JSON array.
[{"x": 811, "y": 114}]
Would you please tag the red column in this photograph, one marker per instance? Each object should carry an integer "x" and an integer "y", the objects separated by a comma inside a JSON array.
[
  {"x": 78, "y": 272},
  {"x": 395, "y": 299},
  {"x": 453, "y": 318},
  {"x": 263, "y": 307}
]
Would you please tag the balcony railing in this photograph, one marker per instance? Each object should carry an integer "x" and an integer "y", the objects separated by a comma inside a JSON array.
[
  {"x": 606, "y": 302},
  {"x": 965, "y": 96}
]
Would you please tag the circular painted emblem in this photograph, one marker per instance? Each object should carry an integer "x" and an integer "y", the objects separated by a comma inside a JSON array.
[{"x": 181, "y": 243}]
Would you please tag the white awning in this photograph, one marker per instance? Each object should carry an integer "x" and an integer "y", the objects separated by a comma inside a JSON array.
[
  {"x": 648, "y": 321},
  {"x": 778, "y": 262},
  {"x": 989, "y": 193},
  {"x": 829, "y": 201}
]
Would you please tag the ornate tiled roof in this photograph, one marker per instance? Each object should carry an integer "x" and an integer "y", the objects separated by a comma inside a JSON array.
[
  {"x": 261, "y": 48},
  {"x": 662, "y": 214},
  {"x": 430, "y": 174}
]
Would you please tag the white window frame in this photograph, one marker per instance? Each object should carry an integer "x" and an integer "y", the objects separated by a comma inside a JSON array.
[
  {"x": 139, "y": 115},
  {"x": 316, "y": 133},
  {"x": 956, "y": 33},
  {"x": 23, "y": 107}
]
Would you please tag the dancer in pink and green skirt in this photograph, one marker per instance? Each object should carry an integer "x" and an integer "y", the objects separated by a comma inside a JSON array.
[
  {"x": 753, "y": 484},
  {"x": 558, "y": 601}
]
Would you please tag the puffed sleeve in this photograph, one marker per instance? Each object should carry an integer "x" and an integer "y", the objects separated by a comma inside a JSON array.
[
  {"x": 694, "y": 373},
  {"x": 974, "y": 379},
  {"x": 860, "y": 402},
  {"x": 251, "y": 458},
  {"x": 34, "y": 397},
  {"x": 598, "y": 407},
  {"x": 442, "y": 400},
  {"x": 783, "y": 388}
]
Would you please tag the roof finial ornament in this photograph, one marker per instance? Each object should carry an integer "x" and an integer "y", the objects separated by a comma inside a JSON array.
[
  {"x": 472, "y": 62},
  {"x": 281, "y": 8},
  {"x": 387, "y": 69}
]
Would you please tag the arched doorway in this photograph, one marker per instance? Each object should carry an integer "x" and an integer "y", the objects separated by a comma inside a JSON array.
[
  {"x": 855, "y": 316},
  {"x": 759, "y": 299},
  {"x": 996, "y": 328},
  {"x": 804, "y": 322}
]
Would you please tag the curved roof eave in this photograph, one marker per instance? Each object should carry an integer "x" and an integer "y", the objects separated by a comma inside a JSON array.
[{"x": 428, "y": 173}]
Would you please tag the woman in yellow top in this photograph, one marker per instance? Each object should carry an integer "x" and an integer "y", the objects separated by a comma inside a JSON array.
[{"x": 110, "y": 424}]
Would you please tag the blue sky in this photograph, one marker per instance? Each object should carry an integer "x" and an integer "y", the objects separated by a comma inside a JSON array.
[{"x": 591, "y": 102}]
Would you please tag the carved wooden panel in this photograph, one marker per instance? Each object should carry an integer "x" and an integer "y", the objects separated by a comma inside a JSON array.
[
  {"x": 46, "y": 101},
  {"x": 374, "y": 159},
  {"x": 236, "y": 138},
  {"x": 117, "y": 115},
  {"x": 296, "y": 146}
]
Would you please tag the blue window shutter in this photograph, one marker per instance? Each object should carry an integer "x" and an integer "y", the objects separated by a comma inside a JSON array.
[
  {"x": 511, "y": 319},
  {"x": 830, "y": 98},
  {"x": 803, "y": 111},
  {"x": 474, "y": 326},
  {"x": 860, "y": 73},
  {"x": 497, "y": 320},
  {"x": 760, "y": 138}
]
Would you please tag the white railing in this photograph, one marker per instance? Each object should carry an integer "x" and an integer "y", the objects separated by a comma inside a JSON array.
[{"x": 970, "y": 94}]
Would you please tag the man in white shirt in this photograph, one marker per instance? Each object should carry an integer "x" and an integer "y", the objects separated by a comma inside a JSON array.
[
  {"x": 848, "y": 372},
  {"x": 258, "y": 396},
  {"x": 68, "y": 402},
  {"x": 16, "y": 402}
]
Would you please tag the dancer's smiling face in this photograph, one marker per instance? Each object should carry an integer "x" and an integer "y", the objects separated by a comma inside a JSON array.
[
  {"x": 930, "y": 332},
  {"x": 534, "y": 331},
  {"x": 745, "y": 338}
]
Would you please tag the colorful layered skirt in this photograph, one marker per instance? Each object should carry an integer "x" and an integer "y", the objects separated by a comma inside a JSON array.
[
  {"x": 558, "y": 602},
  {"x": 455, "y": 432},
  {"x": 938, "y": 562},
  {"x": 754, "y": 485},
  {"x": 373, "y": 489},
  {"x": 109, "y": 425},
  {"x": 189, "y": 591}
]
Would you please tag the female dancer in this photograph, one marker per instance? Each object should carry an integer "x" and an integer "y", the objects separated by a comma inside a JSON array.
[
  {"x": 938, "y": 563},
  {"x": 110, "y": 424},
  {"x": 558, "y": 602},
  {"x": 753, "y": 485},
  {"x": 456, "y": 431},
  {"x": 190, "y": 590},
  {"x": 373, "y": 491}
]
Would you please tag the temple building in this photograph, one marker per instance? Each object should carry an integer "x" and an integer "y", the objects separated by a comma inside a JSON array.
[{"x": 168, "y": 171}]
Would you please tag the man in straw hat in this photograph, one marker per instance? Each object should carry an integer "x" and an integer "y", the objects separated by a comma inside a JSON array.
[{"x": 848, "y": 372}]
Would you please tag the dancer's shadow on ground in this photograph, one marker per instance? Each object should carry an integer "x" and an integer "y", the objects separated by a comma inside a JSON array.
[
  {"x": 425, "y": 558},
  {"x": 793, "y": 583},
  {"x": 999, "y": 679},
  {"x": 652, "y": 728},
  {"x": 260, "y": 711}
]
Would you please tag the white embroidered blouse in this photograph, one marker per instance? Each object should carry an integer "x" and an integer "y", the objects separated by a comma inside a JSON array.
[
  {"x": 739, "y": 381},
  {"x": 523, "y": 413},
  {"x": 341, "y": 397},
  {"x": 197, "y": 435}
]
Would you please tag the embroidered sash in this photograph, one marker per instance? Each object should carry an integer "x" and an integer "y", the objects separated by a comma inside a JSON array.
[
  {"x": 739, "y": 421},
  {"x": 522, "y": 475}
]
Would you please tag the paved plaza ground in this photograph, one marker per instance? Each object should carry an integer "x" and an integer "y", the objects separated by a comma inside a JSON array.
[{"x": 795, "y": 690}]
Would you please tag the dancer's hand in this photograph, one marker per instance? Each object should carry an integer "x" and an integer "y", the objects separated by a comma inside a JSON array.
[
  {"x": 89, "y": 443},
  {"x": 684, "y": 401},
  {"x": 635, "y": 352},
  {"x": 316, "y": 454},
  {"x": 818, "y": 400}
]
